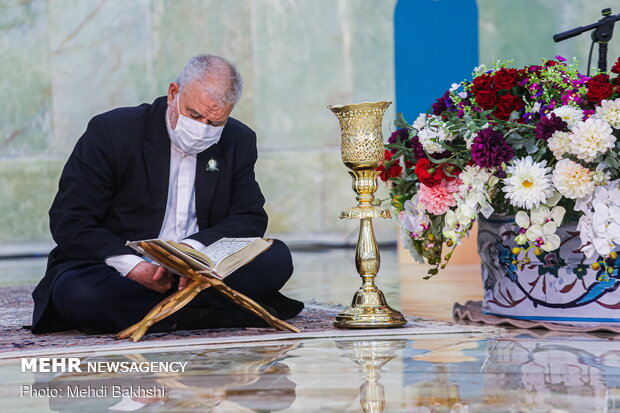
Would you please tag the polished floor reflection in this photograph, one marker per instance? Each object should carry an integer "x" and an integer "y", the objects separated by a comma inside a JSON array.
[
  {"x": 517, "y": 372},
  {"x": 512, "y": 371}
]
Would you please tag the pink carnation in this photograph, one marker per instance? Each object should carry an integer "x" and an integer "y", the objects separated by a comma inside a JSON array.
[{"x": 439, "y": 198}]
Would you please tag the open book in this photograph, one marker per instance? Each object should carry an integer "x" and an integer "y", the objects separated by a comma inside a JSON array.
[
  {"x": 219, "y": 259},
  {"x": 204, "y": 269}
]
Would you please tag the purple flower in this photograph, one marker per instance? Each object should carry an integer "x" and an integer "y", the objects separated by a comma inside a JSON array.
[
  {"x": 529, "y": 116},
  {"x": 570, "y": 96},
  {"x": 442, "y": 104},
  {"x": 416, "y": 146},
  {"x": 587, "y": 113},
  {"x": 579, "y": 82},
  {"x": 548, "y": 125},
  {"x": 490, "y": 149},
  {"x": 442, "y": 155},
  {"x": 560, "y": 58},
  {"x": 399, "y": 136}
]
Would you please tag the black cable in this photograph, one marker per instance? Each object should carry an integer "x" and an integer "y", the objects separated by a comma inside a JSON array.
[{"x": 590, "y": 58}]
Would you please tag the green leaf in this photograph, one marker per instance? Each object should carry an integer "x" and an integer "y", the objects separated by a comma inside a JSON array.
[
  {"x": 400, "y": 121},
  {"x": 514, "y": 115}
]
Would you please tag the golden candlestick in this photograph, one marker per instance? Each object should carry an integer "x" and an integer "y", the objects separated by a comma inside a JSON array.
[{"x": 362, "y": 152}]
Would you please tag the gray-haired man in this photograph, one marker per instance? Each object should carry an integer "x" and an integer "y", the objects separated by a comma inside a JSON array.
[{"x": 178, "y": 169}]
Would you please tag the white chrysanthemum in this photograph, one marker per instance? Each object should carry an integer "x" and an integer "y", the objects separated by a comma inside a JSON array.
[
  {"x": 420, "y": 122},
  {"x": 428, "y": 139},
  {"x": 559, "y": 144},
  {"x": 591, "y": 138},
  {"x": 609, "y": 111},
  {"x": 433, "y": 134},
  {"x": 569, "y": 114},
  {"x": 572, "y": 180},
  {"x": 528, "y": 183}
]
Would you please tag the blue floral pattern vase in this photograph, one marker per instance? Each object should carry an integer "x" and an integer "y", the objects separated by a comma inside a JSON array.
[{"x": 558, "y": 286}]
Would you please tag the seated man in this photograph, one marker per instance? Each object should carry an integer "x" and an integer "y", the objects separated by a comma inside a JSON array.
[{"x": 178, "y": 169}]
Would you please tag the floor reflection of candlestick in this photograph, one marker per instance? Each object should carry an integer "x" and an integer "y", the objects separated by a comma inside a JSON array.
[{"x": 371, "y": 356}]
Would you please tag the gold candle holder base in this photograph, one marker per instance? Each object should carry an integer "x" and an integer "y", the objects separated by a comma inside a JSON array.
[{"x": 369, "y": 310}]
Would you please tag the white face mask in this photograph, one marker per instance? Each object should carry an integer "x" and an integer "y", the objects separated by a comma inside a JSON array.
[{"x": 191, "y": 136}]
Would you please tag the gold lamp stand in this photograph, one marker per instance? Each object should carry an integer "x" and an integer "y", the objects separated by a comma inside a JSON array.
[{"x": 362, "y": 152}]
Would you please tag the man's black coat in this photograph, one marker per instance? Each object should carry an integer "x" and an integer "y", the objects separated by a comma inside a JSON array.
[{"x": 114, "y": 188}]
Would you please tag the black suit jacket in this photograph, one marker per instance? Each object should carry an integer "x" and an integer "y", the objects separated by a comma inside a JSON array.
[{"x": 114, "y": 188}]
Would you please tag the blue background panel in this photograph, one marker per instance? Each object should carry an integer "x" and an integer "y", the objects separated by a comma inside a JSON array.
[{"x": 436, "y": 44}]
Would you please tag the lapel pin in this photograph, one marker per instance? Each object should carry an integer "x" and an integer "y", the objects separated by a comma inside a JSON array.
[{"x": 212, "y": 165}]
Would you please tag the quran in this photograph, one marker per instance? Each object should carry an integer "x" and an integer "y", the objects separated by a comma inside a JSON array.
[
  {"x": 220, "y": 258},
  {"x": 204, "y": 269}
]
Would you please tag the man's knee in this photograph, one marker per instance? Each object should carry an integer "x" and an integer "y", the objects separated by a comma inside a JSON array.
[
  {"x": 85, "y": 299},
  {"x": 73, "y": 290},
  {"x": 278, "y": 260}
]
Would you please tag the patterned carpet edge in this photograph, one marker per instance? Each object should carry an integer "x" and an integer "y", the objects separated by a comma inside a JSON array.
[{"x": 316, "y": 321}]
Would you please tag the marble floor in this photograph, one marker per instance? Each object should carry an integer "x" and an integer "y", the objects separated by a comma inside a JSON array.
[{"x": 511, "y": 371}]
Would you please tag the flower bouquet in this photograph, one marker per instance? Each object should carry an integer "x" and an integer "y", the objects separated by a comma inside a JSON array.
[{"x": 537, "y": 147}]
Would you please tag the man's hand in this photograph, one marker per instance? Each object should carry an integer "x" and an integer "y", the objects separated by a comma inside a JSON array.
[{"x": 151, "y": 276}]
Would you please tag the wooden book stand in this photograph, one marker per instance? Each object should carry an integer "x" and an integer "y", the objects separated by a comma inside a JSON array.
[{"x": 199, "y": 280}]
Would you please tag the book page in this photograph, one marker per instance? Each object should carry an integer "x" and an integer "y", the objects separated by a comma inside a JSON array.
[
  {"x": 220, "y": 258},
  {"x": 242, "y": 256},
  {"x": 225, "y": 247}
]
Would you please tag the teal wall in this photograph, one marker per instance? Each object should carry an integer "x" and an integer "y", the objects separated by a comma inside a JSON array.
[
  {"x": 522, "y": 30},
  {"x": 63, "y": 61}
]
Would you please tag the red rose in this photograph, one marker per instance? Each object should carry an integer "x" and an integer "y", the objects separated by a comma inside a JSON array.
[
  {"x": 616, "y": 67},
  {"x": 486, "y": 99},
  {"x": 394, "y": 170},
  {"x": 431, "y": 174},
  {"x": 599, "y": 88},
  {"x": 505, "y": 78},
  {"x": 507, "y": 104},
  {"x": 482, "y": 82},
  {"x": 426, "y": 172}
]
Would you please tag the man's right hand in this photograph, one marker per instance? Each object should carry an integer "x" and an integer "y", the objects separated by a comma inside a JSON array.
[{"x": 151, "y": 276}]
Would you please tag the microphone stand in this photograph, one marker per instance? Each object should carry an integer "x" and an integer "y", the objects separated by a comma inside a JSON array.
[{"x": 603, "y": 31}]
